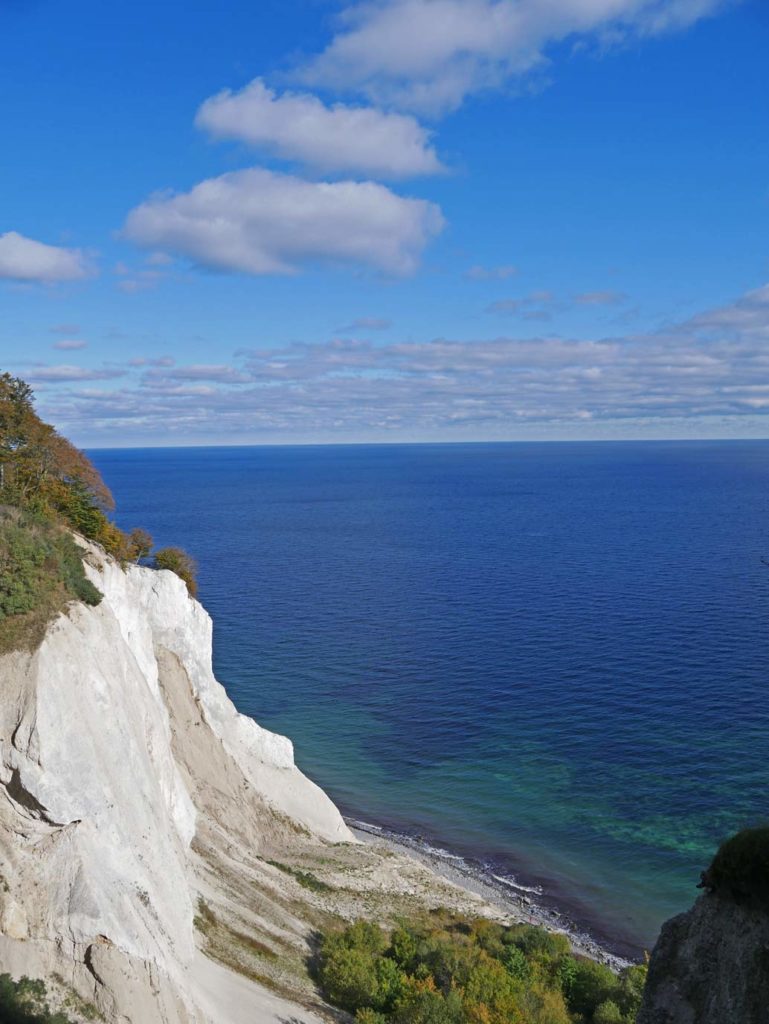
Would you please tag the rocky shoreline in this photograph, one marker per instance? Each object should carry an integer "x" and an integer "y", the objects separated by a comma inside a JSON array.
[{"x": 521, "y": 902}]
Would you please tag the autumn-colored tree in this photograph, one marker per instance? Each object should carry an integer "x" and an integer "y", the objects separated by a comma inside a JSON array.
[
  {"x": 41, "y": 470},
  {"x": 141, "y": 544},
  {"x": 178, "y": 561}
]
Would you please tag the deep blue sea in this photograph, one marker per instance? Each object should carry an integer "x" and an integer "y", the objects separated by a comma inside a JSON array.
[{"x": 552, "y": 658}]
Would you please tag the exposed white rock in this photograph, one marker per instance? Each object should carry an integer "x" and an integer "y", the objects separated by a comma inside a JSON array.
[{"x": 117, "y": 745}]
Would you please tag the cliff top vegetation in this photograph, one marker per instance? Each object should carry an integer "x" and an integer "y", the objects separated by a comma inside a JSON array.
[{"x": 48, "y": 490}]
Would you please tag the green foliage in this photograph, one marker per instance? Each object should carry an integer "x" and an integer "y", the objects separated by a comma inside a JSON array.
[
  {"x": 591, "y": 985},
  {"x": 740, "y": 868},
  {"x": 455, "y": 970},
  {"x": 368, "y": 1016},
  {"x": 24, "y": 1002},
  {"x": 41, "y": 569},
  {"x": 43, "y": 474},
  {"x": 607, "y": 1013},
  {"x": 178, "y": 561},
  {"x": 304, "y": 878},
  {"x": 141, "y": 544}
]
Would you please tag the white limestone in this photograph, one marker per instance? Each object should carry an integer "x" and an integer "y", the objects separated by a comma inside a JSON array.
[{"x": 98, "y": 807}]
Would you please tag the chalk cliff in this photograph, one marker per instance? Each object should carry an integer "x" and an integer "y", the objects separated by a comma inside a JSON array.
[{"x": 125, "y": 771}]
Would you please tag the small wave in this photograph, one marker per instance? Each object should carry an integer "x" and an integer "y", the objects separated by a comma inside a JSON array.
[
  {"x": 438, "y": 851},
  {"x": 537, "y": 890},
  {"x": 364, "y": 826}
]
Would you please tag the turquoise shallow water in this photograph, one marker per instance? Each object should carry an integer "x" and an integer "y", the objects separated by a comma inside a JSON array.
[{"x": 551, "y": 658}]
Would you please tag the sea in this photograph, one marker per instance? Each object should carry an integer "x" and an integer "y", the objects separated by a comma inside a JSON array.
[{"x": 547, "y": 659}]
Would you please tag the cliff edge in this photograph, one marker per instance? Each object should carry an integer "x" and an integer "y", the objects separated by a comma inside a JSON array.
[
  {"x": 710, "y": 966},
  {"x": 125, "y": 773}
]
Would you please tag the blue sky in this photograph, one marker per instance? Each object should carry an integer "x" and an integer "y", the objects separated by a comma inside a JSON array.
[{"x": 390, "y": 220}]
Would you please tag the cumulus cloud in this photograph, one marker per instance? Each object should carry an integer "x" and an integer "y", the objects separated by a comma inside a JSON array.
[
  {"x": 24, "y": 259},
  {"x": 427, "y": 55},
  {"x": 713, "y": 365},
  {"x": 298, "y": 126},
  {"x": 259, "y": 222}
]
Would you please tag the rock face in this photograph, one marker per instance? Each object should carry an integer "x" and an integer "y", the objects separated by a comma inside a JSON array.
[
  {"x": 710, "y": 966},
  {"x": 118, "y": 748}
]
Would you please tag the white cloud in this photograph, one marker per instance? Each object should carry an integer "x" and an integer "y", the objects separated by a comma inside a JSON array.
[
  {"x": 298, "y": 126},
  {"x": 427, "y": 55},
  {"x": 711, "y": 369},
  {"x": 70, "y": 344},
  {"x": 367, "y": 323},
  {"x": 602, "y": 298},
  {"x": 24, "y": 259},
  {"x": 70, "y": 374},
  {"x": 259, "y": 222}
]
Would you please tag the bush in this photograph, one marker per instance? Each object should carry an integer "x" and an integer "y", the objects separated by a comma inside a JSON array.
[
  {"x": 591, "y": 984},
  {"x": 24, "y": 1002},
  {"x": 178, "y": 561},
  {"x": 456, "y": 970},
  {"x": 41, "y": 569},
  {"x": 607, "y": 1013}
]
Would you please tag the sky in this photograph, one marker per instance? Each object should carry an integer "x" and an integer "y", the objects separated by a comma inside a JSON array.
[{"x": 391, "y": 220}]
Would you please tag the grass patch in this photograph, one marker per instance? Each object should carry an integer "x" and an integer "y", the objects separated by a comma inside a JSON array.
[{"x": 304, "y": 878}]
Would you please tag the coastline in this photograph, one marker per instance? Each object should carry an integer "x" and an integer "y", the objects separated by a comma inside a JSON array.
[{"x": 529, "y": 904}]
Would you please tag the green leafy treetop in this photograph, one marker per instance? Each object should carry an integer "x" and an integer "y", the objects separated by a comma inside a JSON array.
[{"x": 448, "y": 969}]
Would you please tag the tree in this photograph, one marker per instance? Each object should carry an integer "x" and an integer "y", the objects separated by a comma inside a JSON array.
[
  {"x": 43, "y": 471},
  {"x": 141, "y": 544},
  {"x": 178, "y": 561}
]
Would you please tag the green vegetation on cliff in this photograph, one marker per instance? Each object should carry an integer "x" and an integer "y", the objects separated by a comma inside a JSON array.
[
  {"x": 41, "y": 569},
  {"x": 456, "y": 970},
  {"x": 25, "y": 1002},
  {"x": 48, "y": 489}
]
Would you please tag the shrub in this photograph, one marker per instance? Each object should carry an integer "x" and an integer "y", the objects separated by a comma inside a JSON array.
[
  {"x": 368, "y": 1016},
  {"x": 590, "y": 985},
  {"x": 349, "y": 978},
  {"x": 608, "y": 1013},
  {"x": 24, "y": 1002},
  {"x": 178, "y": 561},
  {"x": 455, "y": 970},
  {"x": 41, "y": 569},
  {"x": 422, "y": 1003}
]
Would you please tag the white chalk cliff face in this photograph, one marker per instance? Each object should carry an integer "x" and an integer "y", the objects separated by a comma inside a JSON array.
[{"x": 119, "y": 751}]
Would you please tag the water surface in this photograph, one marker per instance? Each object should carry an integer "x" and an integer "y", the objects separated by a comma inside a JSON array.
[{"x": 550, "y": 657}]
